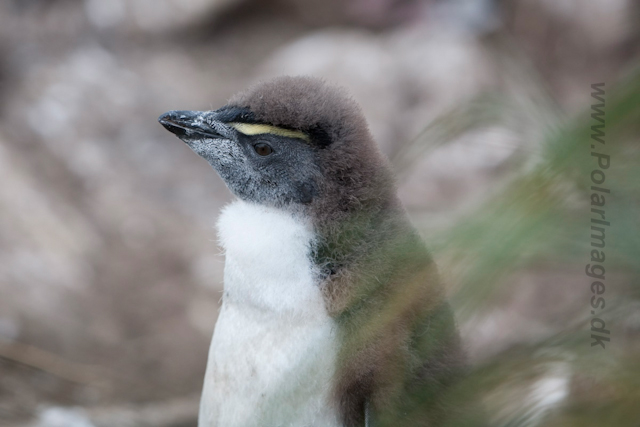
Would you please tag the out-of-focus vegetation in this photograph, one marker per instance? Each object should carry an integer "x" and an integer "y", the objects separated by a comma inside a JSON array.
[
  {"x": 539, "y": 221},
  {"x": 109, "y": 271}
]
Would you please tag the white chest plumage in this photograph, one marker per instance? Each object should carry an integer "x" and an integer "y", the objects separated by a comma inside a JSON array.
[{"x": 272, "y": 356}]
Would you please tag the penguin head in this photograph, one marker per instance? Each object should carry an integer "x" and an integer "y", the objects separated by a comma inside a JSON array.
[{"x": 290, "y": 142}]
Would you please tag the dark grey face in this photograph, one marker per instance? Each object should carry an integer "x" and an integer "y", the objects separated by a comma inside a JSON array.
[{"x": 277, "y": 169}]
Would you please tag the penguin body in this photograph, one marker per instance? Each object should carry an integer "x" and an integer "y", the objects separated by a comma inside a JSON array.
[
  {"x": 274, "y": 348},
  {"x": 333, "y": 313}
]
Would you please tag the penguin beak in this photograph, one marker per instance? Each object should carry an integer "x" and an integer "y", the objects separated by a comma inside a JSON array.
[{"x": 188, "y": 125}]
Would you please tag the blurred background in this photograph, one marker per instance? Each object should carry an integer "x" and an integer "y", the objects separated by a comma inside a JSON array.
[{"x": 110, "y": 275}]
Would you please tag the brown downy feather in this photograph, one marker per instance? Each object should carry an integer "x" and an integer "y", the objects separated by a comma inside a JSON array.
[{"x": 400, "y": 351}]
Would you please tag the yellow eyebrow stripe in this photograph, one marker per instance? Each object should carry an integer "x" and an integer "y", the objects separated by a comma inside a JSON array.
[{"x": 257, "y": 129}]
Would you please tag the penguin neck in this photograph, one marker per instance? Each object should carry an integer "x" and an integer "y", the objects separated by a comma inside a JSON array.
[
  {"x": 268, "y": 260},
  {"x": 344, "y": 239},
  {"x": 356, "y": 254}
]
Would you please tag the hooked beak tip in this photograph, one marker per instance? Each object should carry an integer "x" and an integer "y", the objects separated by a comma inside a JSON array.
[
  {"x": 186, "y": 123},
  {"x": 173, "y": 124}
]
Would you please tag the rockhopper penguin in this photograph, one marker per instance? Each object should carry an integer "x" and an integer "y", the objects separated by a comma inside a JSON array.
[{"x": 332, "y": 313}]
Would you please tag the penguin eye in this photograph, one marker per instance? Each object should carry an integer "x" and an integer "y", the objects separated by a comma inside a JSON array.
[{"x": 263, "y": 149}]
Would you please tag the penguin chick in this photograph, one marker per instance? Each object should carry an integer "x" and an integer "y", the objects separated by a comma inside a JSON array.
[{"x": 332, "y": 313}]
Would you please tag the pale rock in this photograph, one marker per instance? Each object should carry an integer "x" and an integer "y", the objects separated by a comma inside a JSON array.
[{"x": 152, "y": 16}]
